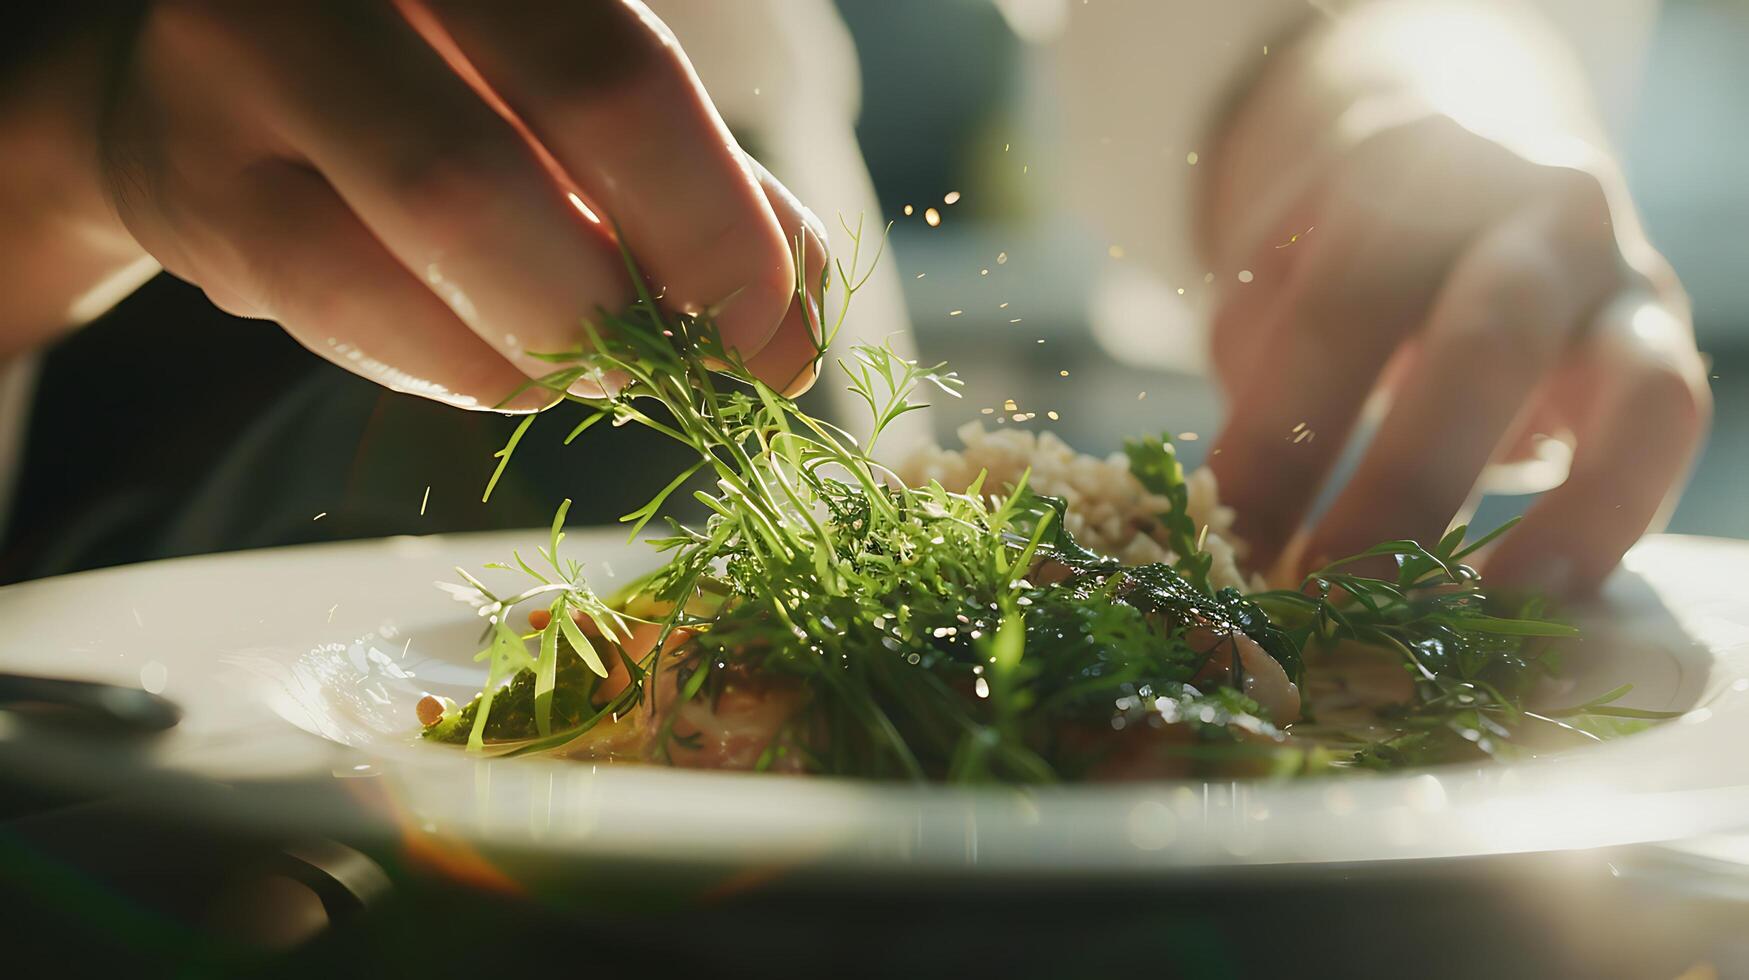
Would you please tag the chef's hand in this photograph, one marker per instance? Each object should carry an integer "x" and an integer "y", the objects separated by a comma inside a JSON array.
[
  {"x": 1417, "y": 196},
  {"x": 420, "y": 191}
]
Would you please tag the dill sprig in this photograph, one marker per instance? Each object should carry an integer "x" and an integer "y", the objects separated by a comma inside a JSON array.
[
  {"x": 908, "y": 618},
  {"x": 565, "y": 594}
]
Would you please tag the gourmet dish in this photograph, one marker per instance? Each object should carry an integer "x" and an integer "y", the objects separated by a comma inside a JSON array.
[{"x": 1008, "y": 611}]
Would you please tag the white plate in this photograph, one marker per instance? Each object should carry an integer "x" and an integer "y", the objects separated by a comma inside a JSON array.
[{"x": 305, "y": 663}]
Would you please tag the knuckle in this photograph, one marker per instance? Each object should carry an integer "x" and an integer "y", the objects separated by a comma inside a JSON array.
[
  {"x": 1582, "y": 222},
  {"x": 1432, "y": 134},
  {"x": 1581, "y": 195},
  {"x": 1408, "y": 165},
  {"x": 231, "y": 301},
  {"x": 1674, "y": 389}
]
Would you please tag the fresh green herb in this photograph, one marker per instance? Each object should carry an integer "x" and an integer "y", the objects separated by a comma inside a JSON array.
[
  {"x": 1154, "y": 462},
  {"x": 566, "y": 594},
  {"x": 936, "y": 634}
]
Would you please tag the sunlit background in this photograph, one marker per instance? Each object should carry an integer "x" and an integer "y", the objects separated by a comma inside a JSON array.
[{"x": 949, "y": 103}]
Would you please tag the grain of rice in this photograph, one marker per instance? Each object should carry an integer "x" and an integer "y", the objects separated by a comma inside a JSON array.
[{"x": 1108, "y": 508}]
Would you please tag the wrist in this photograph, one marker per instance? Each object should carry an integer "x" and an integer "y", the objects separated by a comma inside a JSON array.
[{"x": 68, "y": 254}]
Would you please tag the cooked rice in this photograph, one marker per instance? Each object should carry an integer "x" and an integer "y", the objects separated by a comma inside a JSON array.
[{"x": 1108, "y": 508}]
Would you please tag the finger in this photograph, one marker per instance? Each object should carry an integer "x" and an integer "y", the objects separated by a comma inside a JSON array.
[
  {"x": 790, "y": 362},
  {"x": 606, "y": 89},
  {"x": 1645, "y": 408},
  {"x": 309, "y": 264},
  {"x": 1495, "y": 331},
  {"x": 1380, "y": 192},
  {"x": 1302, "y": 393},
  {"x": 445, "y": 182}
]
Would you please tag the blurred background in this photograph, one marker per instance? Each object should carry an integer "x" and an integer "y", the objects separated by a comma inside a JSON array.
[{"x": 946, "y": 84}]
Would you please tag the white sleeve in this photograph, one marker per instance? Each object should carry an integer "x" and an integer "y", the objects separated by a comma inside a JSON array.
[{"x": 1138, "y": 86}]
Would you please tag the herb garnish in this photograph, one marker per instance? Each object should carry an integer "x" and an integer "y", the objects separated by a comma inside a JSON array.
[{"x": 909, "y": 620}]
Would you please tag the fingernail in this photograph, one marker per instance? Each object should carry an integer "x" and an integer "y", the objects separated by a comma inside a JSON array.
[
  {"x": 775, "y": 186},
  {"x": 814, "y": 224},
  {"x": 803, "y": 383},
  {"x": 750, "y": 317},
  {"x": 536, "y": 401}
]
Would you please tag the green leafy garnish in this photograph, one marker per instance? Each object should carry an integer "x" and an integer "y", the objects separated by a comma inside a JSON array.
[
  {"x": 1154, "y": 462},
  {"x": 931, "y": 633}
]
